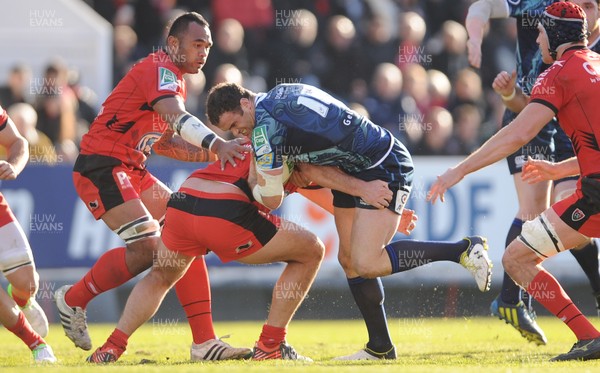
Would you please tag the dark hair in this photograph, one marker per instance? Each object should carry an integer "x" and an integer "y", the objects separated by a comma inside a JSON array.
[
  {"x": 223, "y": 98},
  {"x": 181, "y": 23}
]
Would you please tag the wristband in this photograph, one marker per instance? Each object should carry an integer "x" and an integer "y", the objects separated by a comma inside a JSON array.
[
  {"x": 509, "y": 97},
  {"x": 192, "y": 130}
]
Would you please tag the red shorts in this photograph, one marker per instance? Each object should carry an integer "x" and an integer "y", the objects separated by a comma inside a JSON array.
[
  {"x": 226, "y": 224},
  {"x": 104, "y": 182},
  {"x": 6, "y": 215},
  {"x": 581, "y": 210}
]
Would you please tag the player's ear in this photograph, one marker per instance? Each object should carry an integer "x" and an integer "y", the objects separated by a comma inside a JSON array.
[
  {"x": 172, "y": 44},
  {"x": 245, "y": 103}
]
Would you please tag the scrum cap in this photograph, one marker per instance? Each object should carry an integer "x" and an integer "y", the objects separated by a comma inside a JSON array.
[{"x": 564, "y": 22}]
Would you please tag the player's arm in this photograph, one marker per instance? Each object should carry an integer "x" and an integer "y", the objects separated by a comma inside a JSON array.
[
  {"x": 505, "y": 142},
  {"x": 535, "y": 170},
  {"x": 173, "y": 146},
  {"x": 266, "y": 185},
  {"x": 17, "y": 148},
  {"x": 478, "y": 16},
  {"x": 376, "y": 193},
  {"x": 192, "y": 130},
  {"x": 505, "y": 85}
]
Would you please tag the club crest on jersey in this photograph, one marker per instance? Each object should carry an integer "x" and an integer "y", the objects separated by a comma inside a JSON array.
[
  {"x": 577, "y": 215},
  {"x": 260, "y": 142},
  {"x": 93, "y": 204},
  {"x": 167, "y": 80},
  {"x": 240, "y": 249}
]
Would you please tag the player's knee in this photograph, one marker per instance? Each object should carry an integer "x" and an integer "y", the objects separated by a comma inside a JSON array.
[
  {"x": 164, "y": 278},
  {"x": 140, "y": 254},
  {"x": 345, "y": 260},
  {"x": 25, "y": 279},
  {"x": 365, "y": 269},
  {"x": 509, "y": 262}
]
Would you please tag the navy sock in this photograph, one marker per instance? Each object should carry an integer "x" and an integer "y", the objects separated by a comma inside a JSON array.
[
  {"x": 408, "y": 254},
  {"x": 368, "y": 295},
  {"x": 587, "y": 257},
  {"x": 511, "y": 292}
]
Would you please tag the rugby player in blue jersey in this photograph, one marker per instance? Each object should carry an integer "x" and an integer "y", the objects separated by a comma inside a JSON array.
[{"x": 304, "y": 124}]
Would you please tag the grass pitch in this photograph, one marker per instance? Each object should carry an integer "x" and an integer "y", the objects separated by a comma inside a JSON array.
[{"x": 423, "y": 345}]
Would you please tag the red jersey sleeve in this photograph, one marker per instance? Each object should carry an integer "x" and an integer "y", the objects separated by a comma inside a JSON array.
[{"x": 548, "y": 89}]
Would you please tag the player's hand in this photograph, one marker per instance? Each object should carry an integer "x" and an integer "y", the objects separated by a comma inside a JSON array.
[
  {"x": 228, "y": 151},
  {"x": 376, "y": 193},
  {"x": 535, "y": 170},
  {"x": 408, "y": 221},
  {"x": 444, "y": 182},
  {"x": 504, "y": 84},
  {"x": 474, "y": 52},
  {"x": 7, "y": 171}
]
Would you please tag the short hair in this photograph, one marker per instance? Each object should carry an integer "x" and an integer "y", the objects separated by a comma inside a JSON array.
[
  {"x": 181, "y": 23},
  {"x": 223, "y": 98}
]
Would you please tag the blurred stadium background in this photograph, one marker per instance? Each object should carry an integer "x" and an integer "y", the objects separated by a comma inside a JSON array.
[{"x": 403, "y": 62}]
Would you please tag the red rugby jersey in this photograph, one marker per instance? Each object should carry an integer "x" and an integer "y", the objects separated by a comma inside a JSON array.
[
  {"x": 571, "y": 87},
  {"x": 127, "y": 126}
]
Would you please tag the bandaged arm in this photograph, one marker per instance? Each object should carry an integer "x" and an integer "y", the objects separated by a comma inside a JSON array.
[{"x": 268, "y": 188}]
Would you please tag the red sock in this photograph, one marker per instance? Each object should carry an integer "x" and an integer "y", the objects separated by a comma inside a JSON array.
[
  {"x": 23, "y": 330},
  {"x": 272, "y": 336},
  {"x": 546, "y": 290},
  {"x": 193, "y": 291},
  {"x": 109, "y": 271},
  {"x": 117, "y": 341}
]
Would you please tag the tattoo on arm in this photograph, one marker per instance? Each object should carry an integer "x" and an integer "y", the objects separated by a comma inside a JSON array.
[{"x": 177, "y": 148}]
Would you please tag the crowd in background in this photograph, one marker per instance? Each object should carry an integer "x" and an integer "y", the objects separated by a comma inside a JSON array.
[{"x": 403, "y": 63}]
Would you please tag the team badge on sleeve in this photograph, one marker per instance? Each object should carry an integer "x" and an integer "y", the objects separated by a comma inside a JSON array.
[{"x": 167, "y": 80}]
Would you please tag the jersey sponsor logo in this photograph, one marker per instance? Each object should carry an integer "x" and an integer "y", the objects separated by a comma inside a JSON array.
[
  {"x": 260, "y": 141},
  {"x": 314, "y": 105},
  {"x": 123, "y": 180},
  {"x": 577, "y": 215},
  {"x": 245, "y": 247},
  {"x": 265, "y": 161},
  {"x": 167, "y": 80}
]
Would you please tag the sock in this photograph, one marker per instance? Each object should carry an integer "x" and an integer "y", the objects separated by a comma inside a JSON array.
[
  {"x": 408, "y": 254},
  {"x": 193, "y": 292},
  {"x": 117, "y": 341},
  {"x": 109, "y": 271},
  {"x": 23, "y": 330},
  {"x": 587, "y": 257},
  {"x": 369, "y": 296},
  {"x": 21, "y": 302},
  {"x": 511, "y": 292},
  {"x": 272, "y": 336},
  {"x": 546, "y": 290}
]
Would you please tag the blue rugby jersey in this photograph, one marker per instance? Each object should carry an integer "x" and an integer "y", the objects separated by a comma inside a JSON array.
[{"x": 302, "y": 123}]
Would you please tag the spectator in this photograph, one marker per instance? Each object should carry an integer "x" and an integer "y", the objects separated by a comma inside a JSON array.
[
  {"x": 125, "y": 41},
  {"x": 386, "y": 102},
  {"x": 41, "y": 149},
  {"x": 437, "y": 131},
  {"x": 56, "y": 107},
  {"x": 439, "y": 88},
  {"x": 18, "y": 87},
  {"x": 416, "y": 85},
  {"x": 449, "y": 49},
  {"x": 228, "y": 48},
  {"x": 467, "y": 130},
  {"x": 412, "y": 30},
  {"x": 344, "y": 58}
]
